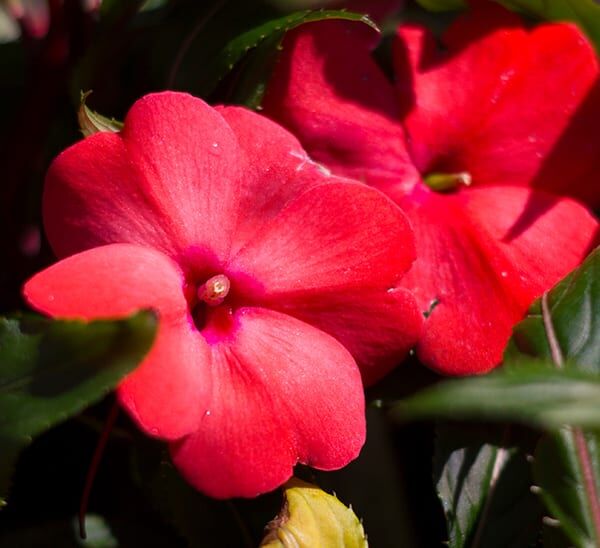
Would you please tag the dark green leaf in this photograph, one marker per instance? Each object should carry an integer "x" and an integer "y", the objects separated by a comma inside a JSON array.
[
  {"x": 574, "y": 314},
  {"x": 527, "y": 391},
  {"x": 564, "y": 487},
  {"x": 255, "y": 71},
  {"x": 51, "y": 370},
  {"x": 484, "y": 485},
  {"x": 270, "y": 33}
]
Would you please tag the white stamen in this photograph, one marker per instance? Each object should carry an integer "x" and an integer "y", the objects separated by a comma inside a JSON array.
[{"x": 214, "y": 290}]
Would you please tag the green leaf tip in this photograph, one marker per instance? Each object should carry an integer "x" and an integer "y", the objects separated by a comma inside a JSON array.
[
  {"x": 263, "y": 41},
  {"x": 91, "y": 122}
]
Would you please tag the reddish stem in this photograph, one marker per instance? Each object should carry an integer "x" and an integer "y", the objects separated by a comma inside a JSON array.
[
  {"x": 93, "y": 469},
  {"x": 589, "y": 479},
  {"x": 581, "y": 448}
]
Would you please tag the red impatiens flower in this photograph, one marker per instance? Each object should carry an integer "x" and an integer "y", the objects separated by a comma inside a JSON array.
[
  {"x": 484, "y": 146},
  {"x": 272, "y": 280}
]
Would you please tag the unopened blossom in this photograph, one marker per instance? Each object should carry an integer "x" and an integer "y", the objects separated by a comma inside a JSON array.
[
  {"x": 489, "y": 144},
  {"x": 276, "y": 286}
]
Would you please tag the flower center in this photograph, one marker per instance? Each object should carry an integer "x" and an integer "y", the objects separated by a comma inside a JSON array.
[
  {"x": 214, "y": 290},
  {"x": 445, "y": 182}
]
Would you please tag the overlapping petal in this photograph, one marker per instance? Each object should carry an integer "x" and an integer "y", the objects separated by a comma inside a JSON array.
[
  {"x": 275, "y": 401},
  {"x": 165, "y": 393},
  {"x": 490, "y": 107},
  {"x": 169, "y": 180},
  {"x": 532, "y": 229},
  {"x": 344, "y": 113},
  {"x": 333, "y": 257},
  {"x": 276, "y": 169},
  {"x": 495, "y": 249}
]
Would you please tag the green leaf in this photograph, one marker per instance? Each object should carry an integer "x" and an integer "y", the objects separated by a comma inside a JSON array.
[
  {"x": 310, "y": 517},
  {"x": 91, "y": 122},
  {"x": 51, "y": 370},
  {"x": 255, "y": 71},
  {"x": 528, "y": 391},
  {"x": 269, "y": 36},
  {"x": 573, "y": 314},
  {"x": 566, "y": 469},
  {"x": 484, "y": 486}
]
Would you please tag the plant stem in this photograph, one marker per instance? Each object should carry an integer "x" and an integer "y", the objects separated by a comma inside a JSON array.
[
  {"x": 96, "y": 458},
  {"x": 579, "y": 441}
]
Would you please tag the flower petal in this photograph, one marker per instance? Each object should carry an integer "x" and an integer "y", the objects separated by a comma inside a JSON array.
[
  {"x": 484, "y": 255},
  {"x": 445, "y": 98},
  {"x": 543, "y": 236},
  {"x": 276, "y": 168},
  {"x": 345, "y": 113},
  {"x": 378, "y": 325},
  {"x": 489, "y": 105},
  {"x": 333, "y": 257},
  {"x": 153, "y": 184},
  {"x": 165, "y": 393},
  {"x": 283, "y": 392}
]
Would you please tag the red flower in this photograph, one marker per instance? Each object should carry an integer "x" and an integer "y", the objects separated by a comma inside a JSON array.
[
  {"x": 513, "y": 112},
  {"x": 261, "y": 266}
]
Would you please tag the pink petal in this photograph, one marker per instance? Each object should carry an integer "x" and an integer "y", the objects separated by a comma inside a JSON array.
[
  {"x": 502, "y": 107},
  {"x": 543, "y": 236},
  {"x": 333, "y": 257},
  {"x": 344, "y": 113},
  {"x": 169, "y": 180},
  {"x": 283, "y": 392},
  {"x": 275, "y": 168},
  {"x": 484, "y": 255},
  {"x": 165, "y": 393},
  {"x": 445, "y": 99},
  {"x": 377, "y": 325}
]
